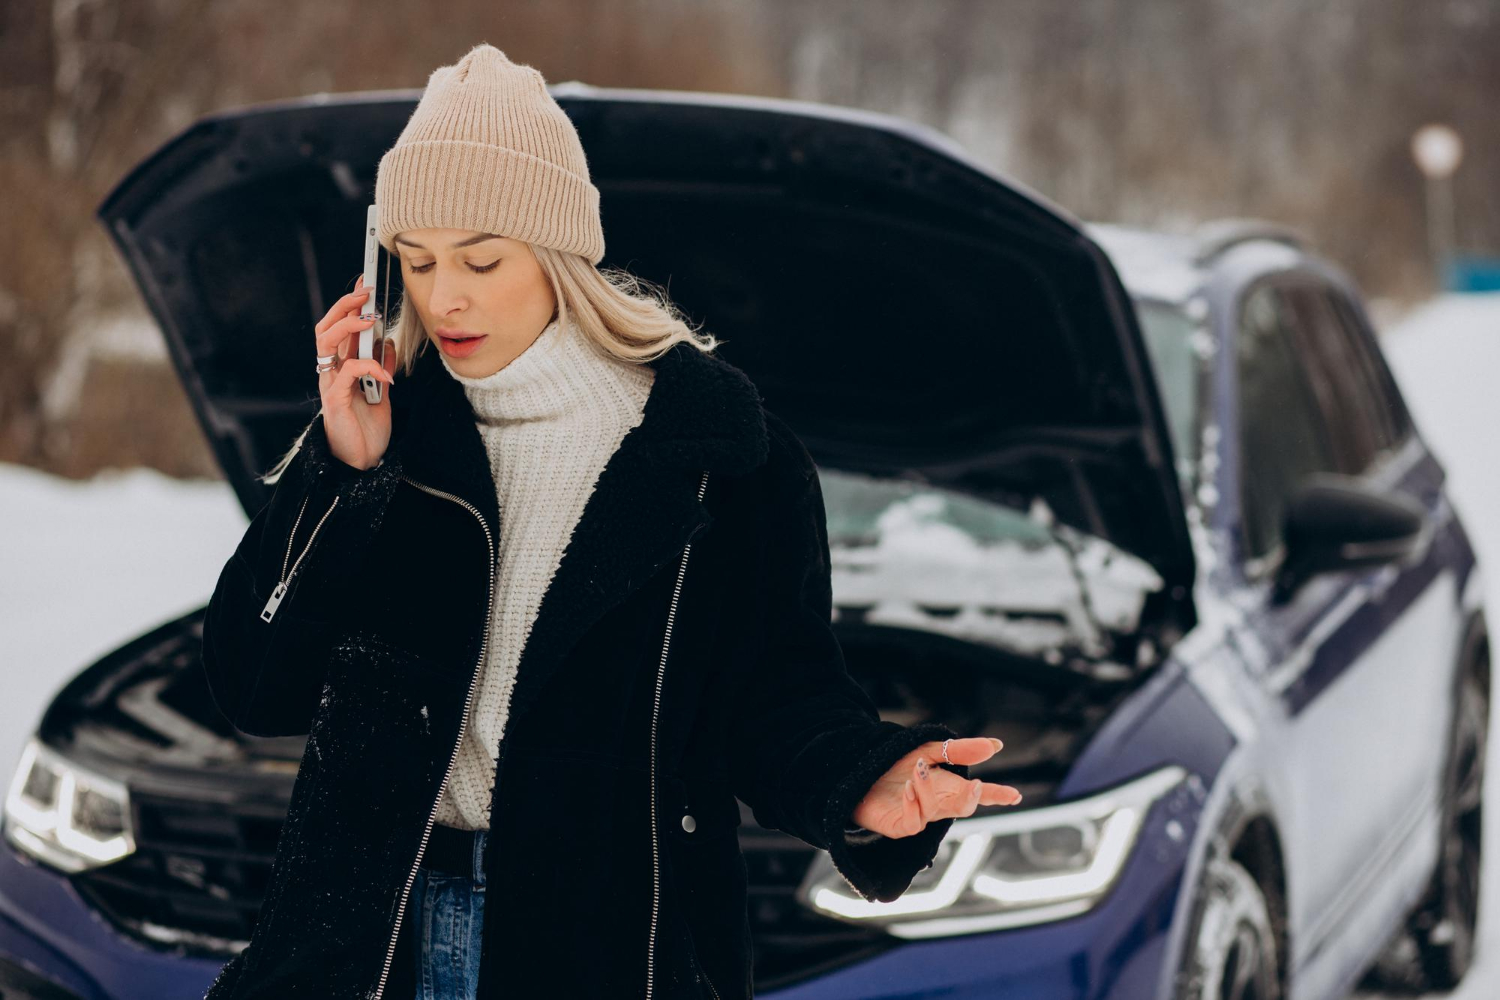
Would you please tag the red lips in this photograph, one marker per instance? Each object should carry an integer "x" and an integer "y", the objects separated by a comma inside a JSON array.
[{"x": 459, "y": 343}]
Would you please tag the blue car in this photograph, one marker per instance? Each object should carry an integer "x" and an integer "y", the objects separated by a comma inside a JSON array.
[{"x": 1147, "y": 507}]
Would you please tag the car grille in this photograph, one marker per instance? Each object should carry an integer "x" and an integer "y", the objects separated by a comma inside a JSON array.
[
  {"x": 197, "y": 877},
  {"x": 791, "y": 942}
]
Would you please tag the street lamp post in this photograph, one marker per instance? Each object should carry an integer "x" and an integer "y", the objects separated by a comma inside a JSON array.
[{"x": 1439, "y": 150}]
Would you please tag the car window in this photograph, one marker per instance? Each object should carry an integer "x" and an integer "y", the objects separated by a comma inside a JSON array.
[
  {"x": 1170, "y": 340},
  {"x": 1356, "y": 419},
  {"x": 1282, "y": 434},
  {"x": 1395, "y": 422}
]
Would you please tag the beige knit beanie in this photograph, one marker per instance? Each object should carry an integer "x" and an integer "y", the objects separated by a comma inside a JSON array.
[{"x": 488, "y": 149}]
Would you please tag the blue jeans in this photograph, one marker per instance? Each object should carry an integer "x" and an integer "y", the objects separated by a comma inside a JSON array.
[{"x": 449, "y": 915}]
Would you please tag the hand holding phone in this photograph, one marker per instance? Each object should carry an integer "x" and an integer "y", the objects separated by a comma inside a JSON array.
[
  {"x": 358, "y": 433},
  {"x": 357, "y": 425}
]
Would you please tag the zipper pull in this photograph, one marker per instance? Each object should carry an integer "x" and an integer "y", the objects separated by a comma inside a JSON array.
[{"x": 276, "y": 596}]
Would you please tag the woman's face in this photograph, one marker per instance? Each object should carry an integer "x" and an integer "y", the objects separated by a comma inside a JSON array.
[{"x": 464, "y": 283}]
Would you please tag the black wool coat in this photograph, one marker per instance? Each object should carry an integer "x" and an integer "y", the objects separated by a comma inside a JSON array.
[{"x": 682, "y": 656}]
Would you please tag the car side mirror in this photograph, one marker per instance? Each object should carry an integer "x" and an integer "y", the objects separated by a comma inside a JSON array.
[{"x": 1336, "y": 522}]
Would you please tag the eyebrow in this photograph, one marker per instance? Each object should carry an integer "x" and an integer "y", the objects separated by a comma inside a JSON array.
[{"x": 461, "y": 243}]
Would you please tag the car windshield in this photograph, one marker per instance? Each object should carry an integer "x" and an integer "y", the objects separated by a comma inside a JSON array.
[
  {"x": 1176, "y": 348},
  {"x": 912, "y": 555}
]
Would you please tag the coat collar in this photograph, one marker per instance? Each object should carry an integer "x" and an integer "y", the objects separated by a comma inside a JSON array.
[{"x": 702, "y": 414}]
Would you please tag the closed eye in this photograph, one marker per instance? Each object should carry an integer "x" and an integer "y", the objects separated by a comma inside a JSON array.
[{"x": 476, "y": 269}]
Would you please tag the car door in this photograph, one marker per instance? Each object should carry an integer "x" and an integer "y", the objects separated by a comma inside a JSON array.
[
  {"x": 1345, "y": 656},
  {"x": 1411, "y": 644}
]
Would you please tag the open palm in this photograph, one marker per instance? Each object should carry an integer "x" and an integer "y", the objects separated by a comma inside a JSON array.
[{"x": 915, "y": 792}]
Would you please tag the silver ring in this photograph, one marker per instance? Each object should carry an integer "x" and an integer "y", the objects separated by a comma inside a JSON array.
[
  {"x": 326, "y": 368},
  {"x": 945, "y": 751},
  {"x": 327, "y": 359}
]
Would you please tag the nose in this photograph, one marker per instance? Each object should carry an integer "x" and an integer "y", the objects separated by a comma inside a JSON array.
[{"x": 447, "y": 296}]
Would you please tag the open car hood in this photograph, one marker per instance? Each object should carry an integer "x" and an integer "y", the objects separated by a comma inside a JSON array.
[{"x": 906, "y": 310}]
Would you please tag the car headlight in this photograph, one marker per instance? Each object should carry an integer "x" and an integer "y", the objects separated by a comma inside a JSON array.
[
  {"x": 65, "y": 815},
  {"x": 1007, "y": 870}
]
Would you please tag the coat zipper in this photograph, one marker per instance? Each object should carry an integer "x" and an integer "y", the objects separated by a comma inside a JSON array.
[
  {"x": 704, "y": 972},
  {"x": 655, "y": 714},
  {"x": 411, "y": 876},
  {"x": 279, "y": 591}
]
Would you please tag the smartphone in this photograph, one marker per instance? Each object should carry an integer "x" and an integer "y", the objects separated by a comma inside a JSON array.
[{"x": 370, "y": 336}]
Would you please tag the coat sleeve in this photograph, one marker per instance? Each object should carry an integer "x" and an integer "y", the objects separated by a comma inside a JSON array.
[
  {"x": 265, "y": 646},
  {"x": 807, "y": 742}
]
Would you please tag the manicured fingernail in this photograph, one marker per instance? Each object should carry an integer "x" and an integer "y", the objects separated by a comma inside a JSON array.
[
  {"x": 975, "y": 790},
  {"x": 997, "y": 743},
  {"x": 910, "y": 792}
]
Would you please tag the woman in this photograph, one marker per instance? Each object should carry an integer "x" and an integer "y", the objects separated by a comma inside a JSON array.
[{"x": 544, "y": 612}]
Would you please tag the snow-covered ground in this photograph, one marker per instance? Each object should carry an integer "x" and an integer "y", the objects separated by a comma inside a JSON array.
[{"x": 86, "y": 567}]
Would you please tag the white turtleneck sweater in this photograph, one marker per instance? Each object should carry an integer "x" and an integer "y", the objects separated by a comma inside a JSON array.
[{"x": 550, "y": 420}]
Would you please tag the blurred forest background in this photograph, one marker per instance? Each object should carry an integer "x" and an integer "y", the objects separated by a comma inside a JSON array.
[{"x": 1162, "y": 113}]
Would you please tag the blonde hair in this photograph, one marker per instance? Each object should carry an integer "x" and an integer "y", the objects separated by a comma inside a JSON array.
[{"x": 629, "y": 317}]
